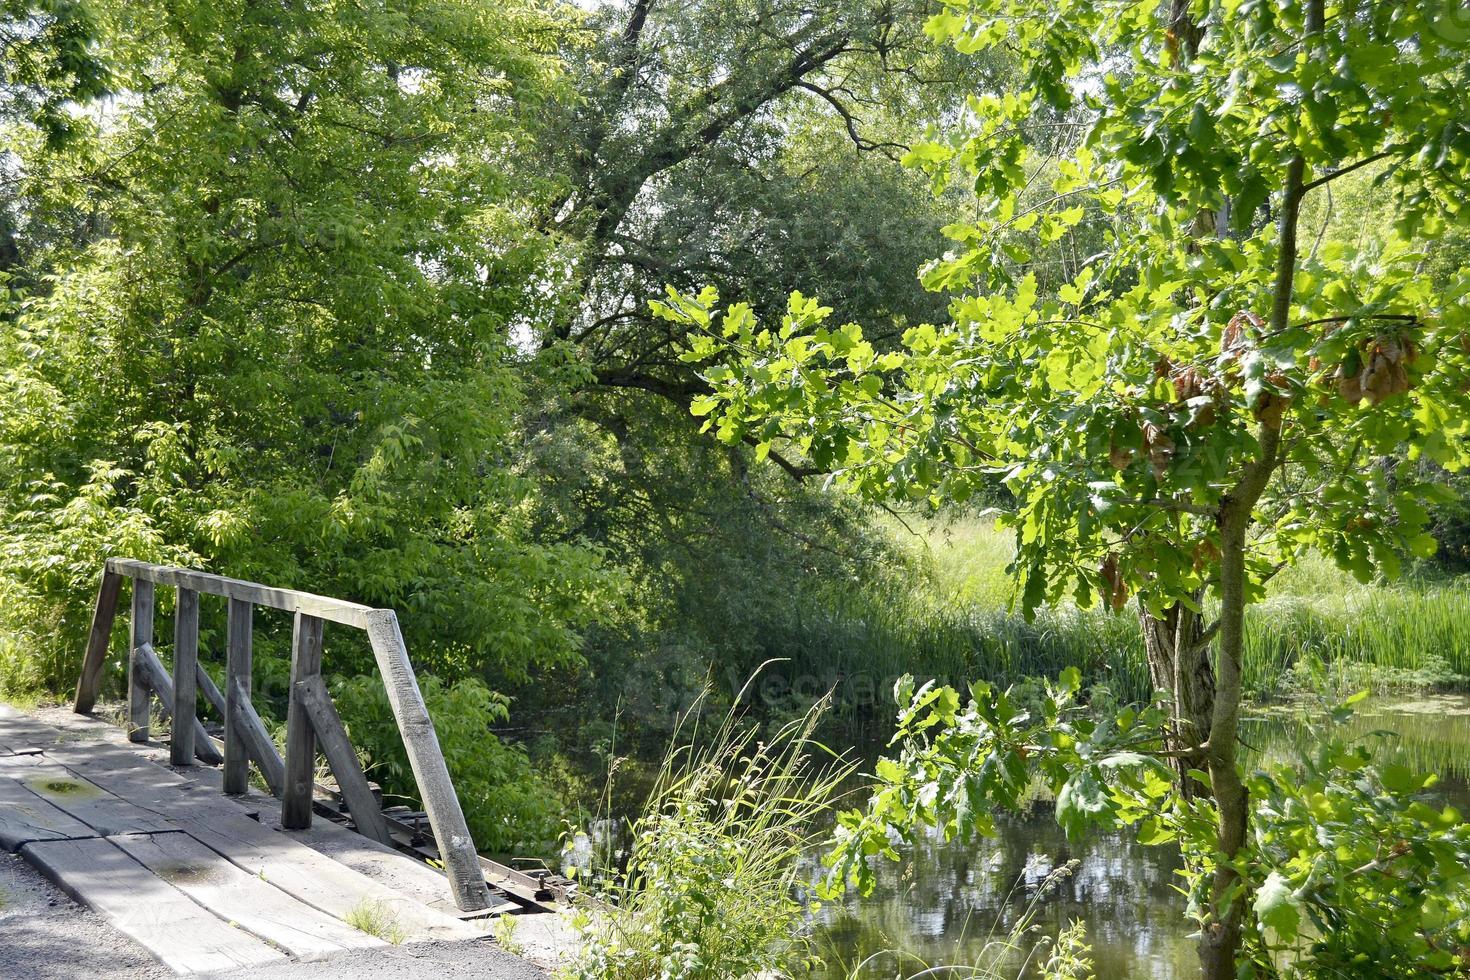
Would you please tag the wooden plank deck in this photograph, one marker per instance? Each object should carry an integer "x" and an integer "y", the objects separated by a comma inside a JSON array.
[
  {"x": 79, "y": 797},
  {"x": 226, "y": 827},
  {"x": 183, "y": 935},
  {"x": 25, "y": 817},
  {"x": 316, "y": 879},
  {"x": 20, "y": 735},
  {"x": 191, "y": 874},
  {"x": 257, "y": 906}
]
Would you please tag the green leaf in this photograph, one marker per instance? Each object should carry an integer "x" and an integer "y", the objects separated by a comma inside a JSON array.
[
  {"x": 1277, "y": 906},
  {"x": 1400, "y": 780},
  {"x": 1082, "y": 799}
]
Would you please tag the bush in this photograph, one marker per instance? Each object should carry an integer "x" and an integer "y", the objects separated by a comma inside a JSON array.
[
  {"x": 1357, "y": 872},
  {"x": 508, "y": 807}
]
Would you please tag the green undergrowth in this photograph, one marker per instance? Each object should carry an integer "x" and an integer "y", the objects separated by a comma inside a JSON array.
[{"x": 703, "y": 884}]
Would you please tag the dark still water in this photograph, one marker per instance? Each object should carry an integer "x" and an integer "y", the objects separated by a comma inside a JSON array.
[{"x": 953, "y": 905}]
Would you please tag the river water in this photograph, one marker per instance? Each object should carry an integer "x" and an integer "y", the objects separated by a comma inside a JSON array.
[{"x": 947, "y": 903}]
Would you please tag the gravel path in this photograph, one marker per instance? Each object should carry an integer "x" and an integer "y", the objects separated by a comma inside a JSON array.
[{"x": 421, "y": 961}]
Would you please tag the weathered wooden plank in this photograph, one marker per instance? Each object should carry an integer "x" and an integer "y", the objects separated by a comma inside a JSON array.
[
  {"x": 185, "y": 937},
  {"x": 235, "y": 896},
  {"x": 211, "y": 692},
  {"x": 290, "y": 600},
  {"x": 20, "y": 750},
  {"x": 185, "y": 698},
  {"x": 79, "y": 797},
  {"x": 25, "y": 817},
  {"x": 314, "y": 878},
  {"x": 456, "y": 847},
  {"x": 366, "y": 812},
  {"x": 141, "y": 636},
  {"x": 140, "y": 782},
  {"x": 386, "y": 865},
  {"x": 238, "y": 656},
  {"x": 257, "y": 738},
  {"x": 156, "y": 676},
  {"x": 22, "y": 735},
  {"x": 103, "y": 614},
  {"x": 177, "y": 800},
  {"x": 306, "y": 662},
  {"x": 99, "y": 758}
]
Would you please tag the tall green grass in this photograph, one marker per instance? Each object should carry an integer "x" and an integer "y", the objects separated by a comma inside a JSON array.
[
  {"x": 706, "y": 887},
  {"x": 1316, "y": 626}
]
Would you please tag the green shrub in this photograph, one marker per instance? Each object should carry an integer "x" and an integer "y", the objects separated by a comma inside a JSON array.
[
  {"x": 508, "y": 806},
  {"x": 1357, "y": 872}
]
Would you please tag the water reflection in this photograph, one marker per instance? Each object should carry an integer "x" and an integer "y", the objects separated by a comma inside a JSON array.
[{"x": 952, "y": 904}]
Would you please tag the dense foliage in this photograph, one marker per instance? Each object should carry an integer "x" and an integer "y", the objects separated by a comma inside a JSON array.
[
  {"x": 354, "y": 298},
  {"x": 288, "y": 356},
  {"x": 289, "y": 292}
]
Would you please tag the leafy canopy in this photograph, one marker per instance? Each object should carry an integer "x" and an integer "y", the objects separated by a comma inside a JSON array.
[{"x": 1123, "y": 411}]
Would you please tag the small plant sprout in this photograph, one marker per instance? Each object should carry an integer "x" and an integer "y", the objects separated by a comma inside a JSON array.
[
  {"x": 375, "y": 919},
  {"x": 504, "y": 934}
]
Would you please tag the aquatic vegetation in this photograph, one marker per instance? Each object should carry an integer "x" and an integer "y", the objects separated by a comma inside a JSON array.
[
  {"x": 1005, "y": 953},
  {"x": 1318, "y": 630}
]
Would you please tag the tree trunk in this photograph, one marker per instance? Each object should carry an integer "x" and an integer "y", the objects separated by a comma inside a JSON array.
[
  {"x": 1179, "y": 663},
  {"x": 1220, "y": 938}
]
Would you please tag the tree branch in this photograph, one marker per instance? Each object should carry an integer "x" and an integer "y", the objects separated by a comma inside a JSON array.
[
  {"x": 1408, "y": 317},
  {"x": 848, "y": 120},
  {"x": 796, "y": 471},
  {"x": 1344, "y": 171}
]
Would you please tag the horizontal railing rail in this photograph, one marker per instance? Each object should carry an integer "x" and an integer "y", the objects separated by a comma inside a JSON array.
[{"x": 312, "y": 721}]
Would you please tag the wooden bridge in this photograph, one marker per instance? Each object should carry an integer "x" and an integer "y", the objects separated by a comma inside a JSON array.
[{"x": 199, "y": 869}]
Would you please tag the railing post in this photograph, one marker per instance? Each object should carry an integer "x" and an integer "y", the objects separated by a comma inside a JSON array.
[
  {"x": 237, "y": 682},
  {"x": 186, "y": 690},
  {"x": 306, "y": 663},
  {"x": 96, "y": 656},
  {"x": 456, "y": 846},
  {"x": 141, "y": 633}
]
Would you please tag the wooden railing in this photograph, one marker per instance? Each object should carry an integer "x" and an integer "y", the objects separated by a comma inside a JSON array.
[{"x": 311, "y": 719}]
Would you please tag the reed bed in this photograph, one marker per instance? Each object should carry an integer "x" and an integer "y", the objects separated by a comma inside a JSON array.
[{"x": 1318, "y": 628}]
